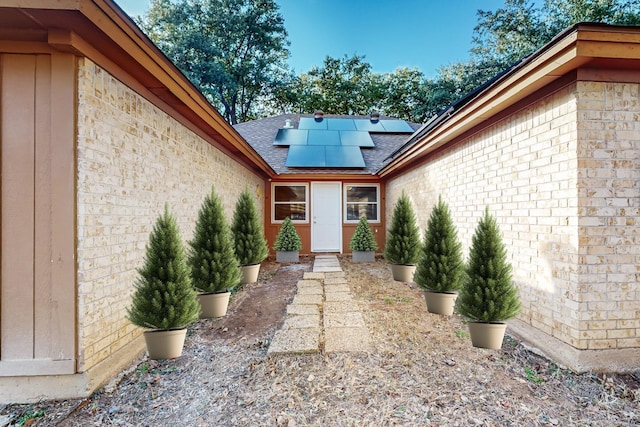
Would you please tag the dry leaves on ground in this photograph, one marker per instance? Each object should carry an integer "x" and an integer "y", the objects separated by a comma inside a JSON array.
[{"x": 423, "y": 372}]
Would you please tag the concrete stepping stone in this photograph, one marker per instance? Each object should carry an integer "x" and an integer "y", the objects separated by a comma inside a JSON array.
[
  {"x": 335, "y": 275},
  {"x": 307, "y": 299},
  {"x": 336, "y": 288},
  {"x": 351, "y": 319},
  {"x": 302, "y": 321},
  {"x": 307, "y": 282},
  {"x": 302, "y": 309},
  {"x": 338, "y": 296},
  {"x": 335, "y": 281},
  {"x": 339, "y": 307},
  {"x": 310, "y": 291},
  {"x": 296, "y": 340},
  {"x": 323, "y": 310}
]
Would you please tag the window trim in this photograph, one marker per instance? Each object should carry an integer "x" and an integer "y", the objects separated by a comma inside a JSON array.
[
  {"x": 273, "y": 201},
  {"x": 345, "y": 203}
]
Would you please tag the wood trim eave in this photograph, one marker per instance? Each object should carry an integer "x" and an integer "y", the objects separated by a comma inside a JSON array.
[
  {"x": 419, "y": 161},
  {"x": 575, "y": 50},
  {"x": 325, "y": 177}
]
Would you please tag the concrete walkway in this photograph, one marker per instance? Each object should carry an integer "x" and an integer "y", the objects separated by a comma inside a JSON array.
[{"x": 323, "y": 315}]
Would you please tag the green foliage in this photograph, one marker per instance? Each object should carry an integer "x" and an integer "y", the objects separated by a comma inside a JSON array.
[
  {"x": 287, "y": 239},
  {"x": 403, "y": 237},
  {"x": 509, "y": 34},
  {"x": 488, "y": 294},
  {"x": 347, "y": 86},
  {"x": 340, "y": 86},
  {"x": 27, "y": 416},
  {"x": 246, "y": 227},
  {"x": 532, "y": 375},
  {"x": 441, "y": 265},
  {"x": 214, "y": 266},
  {"x": 363, "y": 238},
  {"x": 461, "y": 334},
  {"x": 235, "y": 51},
  {"x": 164, "y": 297}
]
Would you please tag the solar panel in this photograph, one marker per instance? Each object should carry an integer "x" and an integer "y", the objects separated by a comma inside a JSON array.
[
  {"x": 311, "y": 123},
  {"x": 324, "y": 137},
  {"x": 291, "y": 137},
  {"x": 357, "y": 138},
  {"x": 397, "y": 126},
  {"x": 344, "y": 157},
  {"x": 341, "y": 124},
  {"x": 333, "y": 142},
  {"x": 368, "y": 125},
  {"x": 301, "y": 156}
]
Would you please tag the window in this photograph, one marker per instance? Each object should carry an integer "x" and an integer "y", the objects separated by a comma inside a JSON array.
[
  {"x": 290, "y": 200},
  {"x": 362, "y": 200}
]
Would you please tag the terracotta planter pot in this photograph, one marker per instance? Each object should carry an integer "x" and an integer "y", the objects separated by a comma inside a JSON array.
[
  {"x": 287, "y": 256},
  {"x": 363, "y": 256},
  {"x": 403, "y": 273},
  {"x": 250, "y": 273},
  {"x": 214, "y": 305},
  {"x": 487, "y": 335},
  {"x": 165, "y": 344},
  {"x": 440, "y": 302}
]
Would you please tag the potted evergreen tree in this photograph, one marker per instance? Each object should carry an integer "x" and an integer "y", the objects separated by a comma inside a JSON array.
[
  {"x": 488, "y": 296},
  {"x": 402, "y": 248},
  {"x": 288, "y": 243},
  {"x": 214, "y": 267},
  {"x": 250, "y": 245},
  {"x": 441, "y": 267},
  {"x": 363, "y": 243},
  {"x": 164, "y": 300}
]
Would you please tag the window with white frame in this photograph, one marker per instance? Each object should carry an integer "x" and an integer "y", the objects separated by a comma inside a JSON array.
[
  {"x": 290, "y": 200},
  {"x": 362, "y": 200}
]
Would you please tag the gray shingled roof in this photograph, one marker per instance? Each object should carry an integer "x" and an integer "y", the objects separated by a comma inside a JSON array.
[{"x": 261, "y": 133}]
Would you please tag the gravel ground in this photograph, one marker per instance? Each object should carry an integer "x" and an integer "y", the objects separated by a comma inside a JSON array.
[{"x": 422, "y": 372}]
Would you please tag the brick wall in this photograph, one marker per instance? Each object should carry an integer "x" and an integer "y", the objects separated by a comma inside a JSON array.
[
  {"x": 132, "y": 158},
  {"x": 562, "y": 178}
]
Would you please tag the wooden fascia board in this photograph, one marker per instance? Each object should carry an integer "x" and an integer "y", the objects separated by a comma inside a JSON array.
[
  {"x": 548, "y": 67},
  {"x": 172, "y": 78},
  {"x": 325, "y": 177},
  {"x": 40, "y": 4},
  {"x": 574, "y": 50},
  {"x": 172, "y": 86}
]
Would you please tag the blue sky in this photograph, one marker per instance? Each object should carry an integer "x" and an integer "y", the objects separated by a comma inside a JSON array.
[{"x": 425, "y": 34}]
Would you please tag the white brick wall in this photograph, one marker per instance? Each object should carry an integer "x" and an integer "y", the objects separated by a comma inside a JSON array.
[
  {"x": 562, "y": 178},
  {"x": 132, "y": 158}
]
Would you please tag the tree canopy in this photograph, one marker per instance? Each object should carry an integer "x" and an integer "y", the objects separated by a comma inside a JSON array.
[{"x": 235, "y": 51}]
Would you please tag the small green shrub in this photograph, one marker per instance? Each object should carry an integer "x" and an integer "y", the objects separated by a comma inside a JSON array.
[
  {"x": 403, "y": 237},
  {"x": 488, "y": 294},
  {"x": 287, "y": 239},
  {"x": 363, "y": 238},
  {"x": 164, "y": 296},
  {"x": 441, "y": 265},
  {"x": 214, "y": 266},
  {"x": 248, "y": 235}
]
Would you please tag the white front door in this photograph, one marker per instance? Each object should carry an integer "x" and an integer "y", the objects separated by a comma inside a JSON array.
[{"x": 326, "y": 217}]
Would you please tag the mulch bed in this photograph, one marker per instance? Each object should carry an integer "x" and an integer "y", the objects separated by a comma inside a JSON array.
[{"x": 422, "y": 372}]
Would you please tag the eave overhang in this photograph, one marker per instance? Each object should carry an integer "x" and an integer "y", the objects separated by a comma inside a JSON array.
[
  {"x": 583, "y": 46},
  {"x": 102, "y": 32}
]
